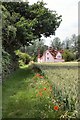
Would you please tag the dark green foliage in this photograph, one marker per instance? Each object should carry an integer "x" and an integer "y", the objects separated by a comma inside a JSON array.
[
  {"x": 68, "y": 56},
  {"x": 8, "y": 64},
  {"x": 27, "y": 22},
  {"x": 56, "y": 43},
  {"x": 5, "y": 62}
]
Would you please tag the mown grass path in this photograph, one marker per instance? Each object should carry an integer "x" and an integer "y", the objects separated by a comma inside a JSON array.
[{"x": 16, "y": 86}]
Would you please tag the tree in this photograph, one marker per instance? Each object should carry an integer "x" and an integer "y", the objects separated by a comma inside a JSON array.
[
  {"x": 8, "y": 32},
  {"x": 74, "y": 45},
  {"x": 67, "y": 43},
  {"x": 24, "y": 23},
  {"x": 71, "y": 43},
  {"x": 56, "y": 43},
  {"x": 63, "y": 45},
  {"x": 46, "y": 21}
]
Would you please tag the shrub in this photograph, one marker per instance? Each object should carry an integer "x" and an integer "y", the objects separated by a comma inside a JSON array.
[
  {"x": 6, "y": 57},
  {"x": 9, "y": 63},
  {"x": 68, "y": 55},
  {"x": 24, "y": 58},
  {"x": 5, "y": 63}
]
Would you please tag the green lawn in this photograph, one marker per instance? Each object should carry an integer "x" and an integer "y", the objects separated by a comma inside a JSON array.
[{"x": 28, "y": 95}]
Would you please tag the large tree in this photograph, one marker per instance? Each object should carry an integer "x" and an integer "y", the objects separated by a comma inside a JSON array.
[{"x": 23, "y": 23}]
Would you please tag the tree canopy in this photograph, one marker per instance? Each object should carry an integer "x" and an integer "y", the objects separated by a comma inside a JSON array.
[
  {"x": 56, "y": 43},
  {"x": 24, "y": 23}
]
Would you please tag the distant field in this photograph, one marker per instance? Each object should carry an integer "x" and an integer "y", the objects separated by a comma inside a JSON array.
[
  {"x": 65, "y": 77},
  {"x": 66, "y": 65},
  {"x": 60, "y": 64}
]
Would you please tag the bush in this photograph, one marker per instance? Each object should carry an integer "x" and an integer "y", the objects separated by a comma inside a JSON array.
[
  {"x": 68, "y": 55},
  {"x": 5, "y": 63},
  {"x": 24, "y": 58},
  {"x": 9, "y": 64}
]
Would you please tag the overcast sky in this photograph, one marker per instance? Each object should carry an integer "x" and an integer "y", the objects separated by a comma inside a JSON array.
[{"x": 69, "y": 11}]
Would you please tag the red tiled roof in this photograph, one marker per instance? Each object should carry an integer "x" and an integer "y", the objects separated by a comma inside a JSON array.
[{"x": 53, "y": 52}]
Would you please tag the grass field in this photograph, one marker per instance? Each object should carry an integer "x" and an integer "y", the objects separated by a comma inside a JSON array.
[{"x": 51, "y": 93}]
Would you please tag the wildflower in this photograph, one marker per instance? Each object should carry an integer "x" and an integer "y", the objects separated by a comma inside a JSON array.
[
  {"x": 41, "y": 76},
  {"x": 36, "y": 95},
  {"x": 56, "y": 108},
  {"x": 50, "y": 88},
  {"x": 44, "y": 88},
  {"x": 37, "y": 74},
  {"x": 40, "y": 93}
]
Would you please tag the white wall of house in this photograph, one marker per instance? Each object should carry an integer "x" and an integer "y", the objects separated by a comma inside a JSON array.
[
  {"x": 44, "y": 57},
  {"x": 58, "y": 60},
  {"x": 49, "y": 57},
  {"x": 39, "y": 60},
  {"x": 59, "y": 56}
]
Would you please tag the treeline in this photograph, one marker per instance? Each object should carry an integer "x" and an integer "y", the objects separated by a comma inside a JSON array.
[
  {"x": 70, "y": 46},
  {"x": 22, "y": 25}
]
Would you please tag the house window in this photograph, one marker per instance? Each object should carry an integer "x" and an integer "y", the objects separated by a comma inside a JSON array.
[
  {"x": 47, "y": 53},
  {"x": 47, "y": 58},
  {"x": 59, "y": 56}
]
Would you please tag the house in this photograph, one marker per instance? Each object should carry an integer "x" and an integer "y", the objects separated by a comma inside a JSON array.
[{"x": 50, "y": 55}]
